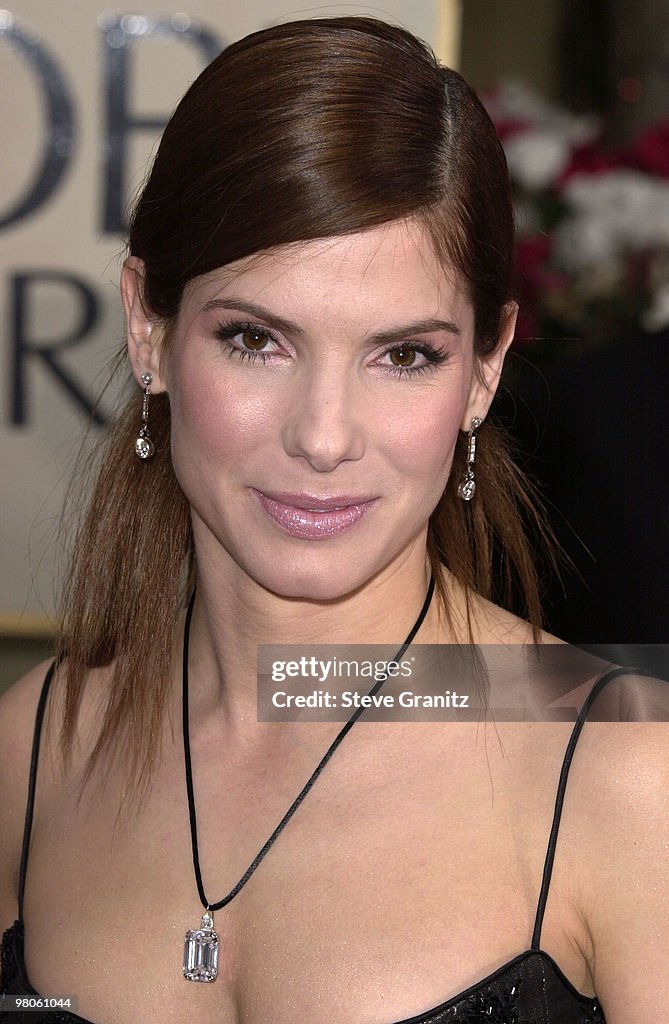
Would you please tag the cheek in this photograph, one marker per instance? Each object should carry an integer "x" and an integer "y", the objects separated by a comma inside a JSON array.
[
  {"x": 211, "y": 418},
  {"x": 421, "y": 439}
]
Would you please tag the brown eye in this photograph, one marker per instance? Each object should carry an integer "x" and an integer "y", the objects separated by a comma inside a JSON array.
[
  {"x": 403, "y": 356},
  {"x": 253, "y": 339}
]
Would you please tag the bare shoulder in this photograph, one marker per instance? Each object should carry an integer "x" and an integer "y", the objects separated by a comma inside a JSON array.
[
  {"x": 18, "y": 706},
  {"x": 18, "y": 710},
  {"x": 621, "y": 776},
  {"x": 624, "y": 747}
]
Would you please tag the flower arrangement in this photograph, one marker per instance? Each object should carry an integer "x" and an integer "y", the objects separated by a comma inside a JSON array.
[{"x": 593, "y": 225}]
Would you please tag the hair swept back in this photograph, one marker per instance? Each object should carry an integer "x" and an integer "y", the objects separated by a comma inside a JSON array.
[{"x": 304, "y": 130}]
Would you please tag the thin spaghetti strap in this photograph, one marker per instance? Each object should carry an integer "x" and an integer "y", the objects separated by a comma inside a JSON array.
[
  {"x": 27, "y": 828},
  {"x": 562, "y": 785}
]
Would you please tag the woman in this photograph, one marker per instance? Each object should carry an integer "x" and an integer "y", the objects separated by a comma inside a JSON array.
[{"x": 318, "y": 308}]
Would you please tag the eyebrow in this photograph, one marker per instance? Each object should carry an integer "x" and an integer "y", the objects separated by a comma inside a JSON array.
[{"x": 279, "y": 323}]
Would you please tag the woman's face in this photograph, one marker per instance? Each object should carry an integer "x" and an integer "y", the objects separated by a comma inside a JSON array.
[{"x": 337, "y": 373}]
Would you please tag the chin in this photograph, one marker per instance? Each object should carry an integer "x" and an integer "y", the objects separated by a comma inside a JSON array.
[{"x": 320, "y": 583}]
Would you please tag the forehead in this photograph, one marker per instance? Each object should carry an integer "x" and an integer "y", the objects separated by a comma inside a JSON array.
[{"x": 391, "y": 267}]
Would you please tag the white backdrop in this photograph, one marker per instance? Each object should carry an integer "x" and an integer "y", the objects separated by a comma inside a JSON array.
[{"x": 86, "y": 87}]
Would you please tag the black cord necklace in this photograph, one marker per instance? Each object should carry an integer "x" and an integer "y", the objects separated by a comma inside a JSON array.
[{"x": 201, "y": 944}]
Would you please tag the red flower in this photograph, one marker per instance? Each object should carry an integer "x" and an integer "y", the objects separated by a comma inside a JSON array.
[
  {"x": 532, "y": 253},
  {"x": 590, "y": 159},
  {"x": 650, "y": 152},
  {"x": 510, "y": 126}
]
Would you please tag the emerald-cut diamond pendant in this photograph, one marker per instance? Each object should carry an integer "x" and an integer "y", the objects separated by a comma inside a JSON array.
[{"x": 201, "y": 951}]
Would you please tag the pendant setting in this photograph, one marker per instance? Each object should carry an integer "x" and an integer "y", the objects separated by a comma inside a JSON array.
[{"x": 201, "y": 951}]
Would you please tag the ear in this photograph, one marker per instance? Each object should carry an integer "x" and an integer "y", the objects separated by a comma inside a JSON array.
[
  {"x": 488, "y": 369},
  {"x": 144, "y": 334}
]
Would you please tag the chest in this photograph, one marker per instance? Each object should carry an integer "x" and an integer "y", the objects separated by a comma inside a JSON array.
[{"x": 399, "y": 881}]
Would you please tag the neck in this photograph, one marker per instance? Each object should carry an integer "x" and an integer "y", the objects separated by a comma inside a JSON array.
[{"x": 229, "y": 621}]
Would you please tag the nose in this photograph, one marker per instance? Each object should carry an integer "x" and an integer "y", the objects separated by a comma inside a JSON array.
[{"x": 323, "y": 423}]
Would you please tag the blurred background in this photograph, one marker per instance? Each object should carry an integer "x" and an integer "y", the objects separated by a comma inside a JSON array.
[{"x": 579, "y": 92}]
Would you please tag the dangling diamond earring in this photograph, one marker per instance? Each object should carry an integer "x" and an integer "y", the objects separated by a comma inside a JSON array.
[
  {"x": 144, "y": 446},
  {"x": 467, "y": 485}
]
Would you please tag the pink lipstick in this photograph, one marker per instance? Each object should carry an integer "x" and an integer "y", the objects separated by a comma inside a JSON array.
[{"x": 314, "y": 517}]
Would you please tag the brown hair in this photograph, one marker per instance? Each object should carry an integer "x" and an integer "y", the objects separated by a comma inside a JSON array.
[{"x": 304, "y": 130}]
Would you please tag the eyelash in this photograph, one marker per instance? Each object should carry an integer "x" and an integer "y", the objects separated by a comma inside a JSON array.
[{"x": 225, "y": 331}]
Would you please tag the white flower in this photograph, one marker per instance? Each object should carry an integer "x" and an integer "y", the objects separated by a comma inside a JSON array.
[
  {"x": 536, "y": 158},
  {"x": 631, "y": 207},
  {"x": 584, "y": 241},
  {"x": 539, "y": 150}
]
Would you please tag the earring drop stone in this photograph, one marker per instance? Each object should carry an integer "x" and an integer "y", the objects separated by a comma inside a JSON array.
[
  {"x": 467, "y": 487},
  {"x": 144, "y": 446},
  {"x": 201, "y": 951}
]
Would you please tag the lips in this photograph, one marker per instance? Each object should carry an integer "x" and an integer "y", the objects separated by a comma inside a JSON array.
[{"x": 314, "y": 517}]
